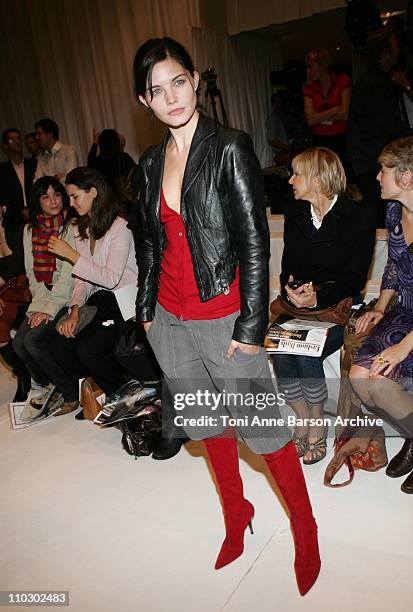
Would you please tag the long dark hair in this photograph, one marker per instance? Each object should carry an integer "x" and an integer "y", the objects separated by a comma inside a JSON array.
[
  {"x": 153, "y": 51},
  {"x": 39, "y": 189},
  {"x": 105, "y": 207}
]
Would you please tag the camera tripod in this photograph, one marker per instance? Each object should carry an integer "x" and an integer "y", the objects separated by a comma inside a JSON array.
[{"x": 212, "y": 93}]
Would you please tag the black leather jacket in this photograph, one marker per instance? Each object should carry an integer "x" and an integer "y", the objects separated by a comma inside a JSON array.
[{"x": 223, "y": 210}]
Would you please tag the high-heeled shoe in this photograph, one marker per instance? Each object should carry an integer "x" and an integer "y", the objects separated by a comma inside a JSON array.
[
  {"x": 286, "y": 470},
  {"x": 238, "y": 511}
]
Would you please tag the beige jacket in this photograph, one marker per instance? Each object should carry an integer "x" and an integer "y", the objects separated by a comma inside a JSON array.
[{"x": 43, "y": 300}]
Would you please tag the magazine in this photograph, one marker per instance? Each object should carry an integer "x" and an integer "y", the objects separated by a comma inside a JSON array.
[
  {"x": 127, "y": 402},
  {"x": 297, "y": 337},
  {"x": 53, "y": 403}
]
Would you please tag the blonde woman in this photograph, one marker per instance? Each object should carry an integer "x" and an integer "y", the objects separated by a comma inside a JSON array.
[
  {"x": 328, "y": 245},
  {"x": 382, "y": 371}
]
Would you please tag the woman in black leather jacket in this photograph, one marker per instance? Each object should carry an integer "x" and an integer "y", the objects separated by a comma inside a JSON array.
[{"x": 202, "y": 245}]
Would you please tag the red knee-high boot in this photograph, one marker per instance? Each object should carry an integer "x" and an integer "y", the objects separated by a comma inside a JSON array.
[
  {"x": 238, "y": 512},
  {"x": 285, "y": 467}
]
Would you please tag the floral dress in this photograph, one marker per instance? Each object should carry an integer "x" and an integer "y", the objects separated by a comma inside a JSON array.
[{"x": 398, "y": 320}]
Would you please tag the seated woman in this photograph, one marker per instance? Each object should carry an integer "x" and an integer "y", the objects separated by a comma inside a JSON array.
[
  {"x": 14, "y": 296},
  {"x": 328, "y": 245},
  {"x": 51, "y": 285},
  {"x": 382, "y": 371},
  {"x": 103, "y": 261}
]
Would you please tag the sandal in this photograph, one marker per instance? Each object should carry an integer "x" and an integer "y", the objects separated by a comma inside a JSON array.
[
  {"x": 301, "y": 444},
  {"x": 318, "y": 450}
]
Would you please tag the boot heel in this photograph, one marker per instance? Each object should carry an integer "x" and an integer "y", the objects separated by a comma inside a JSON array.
[{"x": 250, "y": 527}]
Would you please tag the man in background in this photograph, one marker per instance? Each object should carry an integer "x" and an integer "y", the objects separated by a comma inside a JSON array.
[
  {"x": 16, "y": 175},
  {"x": 377, "y": 114},
  {"x": 32, "y": 145},
  {"x": 58, "y": 159}
]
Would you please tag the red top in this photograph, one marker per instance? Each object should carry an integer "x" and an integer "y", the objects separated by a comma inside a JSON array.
[
  {"x": 178, "y": 291},
  {"x": 321, "y": 102}
]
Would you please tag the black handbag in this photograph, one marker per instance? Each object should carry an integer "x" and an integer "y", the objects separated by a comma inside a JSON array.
[
  {"x": 135, "y": 409},
  {"x": 86, "y": 314},
  {"x": 133, "y": 352},
  {"x": 142, "y": 434}
]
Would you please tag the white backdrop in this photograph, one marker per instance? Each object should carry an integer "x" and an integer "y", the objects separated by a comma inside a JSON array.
[
  {"x": 71, "y": 60},
  {"x": 243, "y": 64},
  {"x": 244, "y": 15}
]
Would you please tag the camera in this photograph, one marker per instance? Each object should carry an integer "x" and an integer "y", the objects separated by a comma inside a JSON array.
[{"x": 210, "y": 77}]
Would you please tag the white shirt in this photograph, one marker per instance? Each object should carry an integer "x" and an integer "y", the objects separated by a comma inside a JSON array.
[
  {"x": 316, "y": 221},
  {"x": 61, "y": 159}
]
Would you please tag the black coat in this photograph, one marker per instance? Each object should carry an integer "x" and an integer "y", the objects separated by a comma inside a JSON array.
[
  {"x": 13, "y": 265},
  {"x": 223, "y": 209},
  {"x": 376, "y": 117},
  {"x": 11, "y": 193},
  {"x": 340, "y": 251}
]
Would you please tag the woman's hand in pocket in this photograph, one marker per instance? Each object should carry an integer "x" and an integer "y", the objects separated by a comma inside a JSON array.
[{"x": 248, "y": 349}]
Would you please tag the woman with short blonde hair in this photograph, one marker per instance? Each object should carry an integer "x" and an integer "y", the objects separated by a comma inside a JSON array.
[
  {"x": 324, "y": 164},
  {"x": 328, "y": 244},
  {"x": 399, "y": 155}
]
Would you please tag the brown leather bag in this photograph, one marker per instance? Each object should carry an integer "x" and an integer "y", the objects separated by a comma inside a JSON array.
[
  {"x": 89, "y": 391},
  {"x": 338, "y": 314},
  {"x": 16, "y": 289},
  {"x": 362, "y": 449},
  {"x": 358, "y": 450}
]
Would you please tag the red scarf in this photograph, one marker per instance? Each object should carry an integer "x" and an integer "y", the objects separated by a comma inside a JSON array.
[{"x": 44, "y": 263}]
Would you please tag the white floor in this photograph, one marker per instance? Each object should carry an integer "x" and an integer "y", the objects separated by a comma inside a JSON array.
[{"x": 77, "y": 513}]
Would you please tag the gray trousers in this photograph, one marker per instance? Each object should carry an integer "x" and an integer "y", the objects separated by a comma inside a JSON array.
[{"x": 212, "y": 392}]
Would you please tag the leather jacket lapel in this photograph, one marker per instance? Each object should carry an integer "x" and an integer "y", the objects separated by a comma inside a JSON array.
[
  {"x": 198, "y": 152},
  {"x": 155, "y": 183}
]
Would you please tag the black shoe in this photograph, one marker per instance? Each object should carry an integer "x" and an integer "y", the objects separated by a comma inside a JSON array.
[
  {"x": 23, "y": 388},
  {"x": 402, "y": 463},
  {"x": 168, "y": 448},
  {"x": 407, "y": 486}
]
